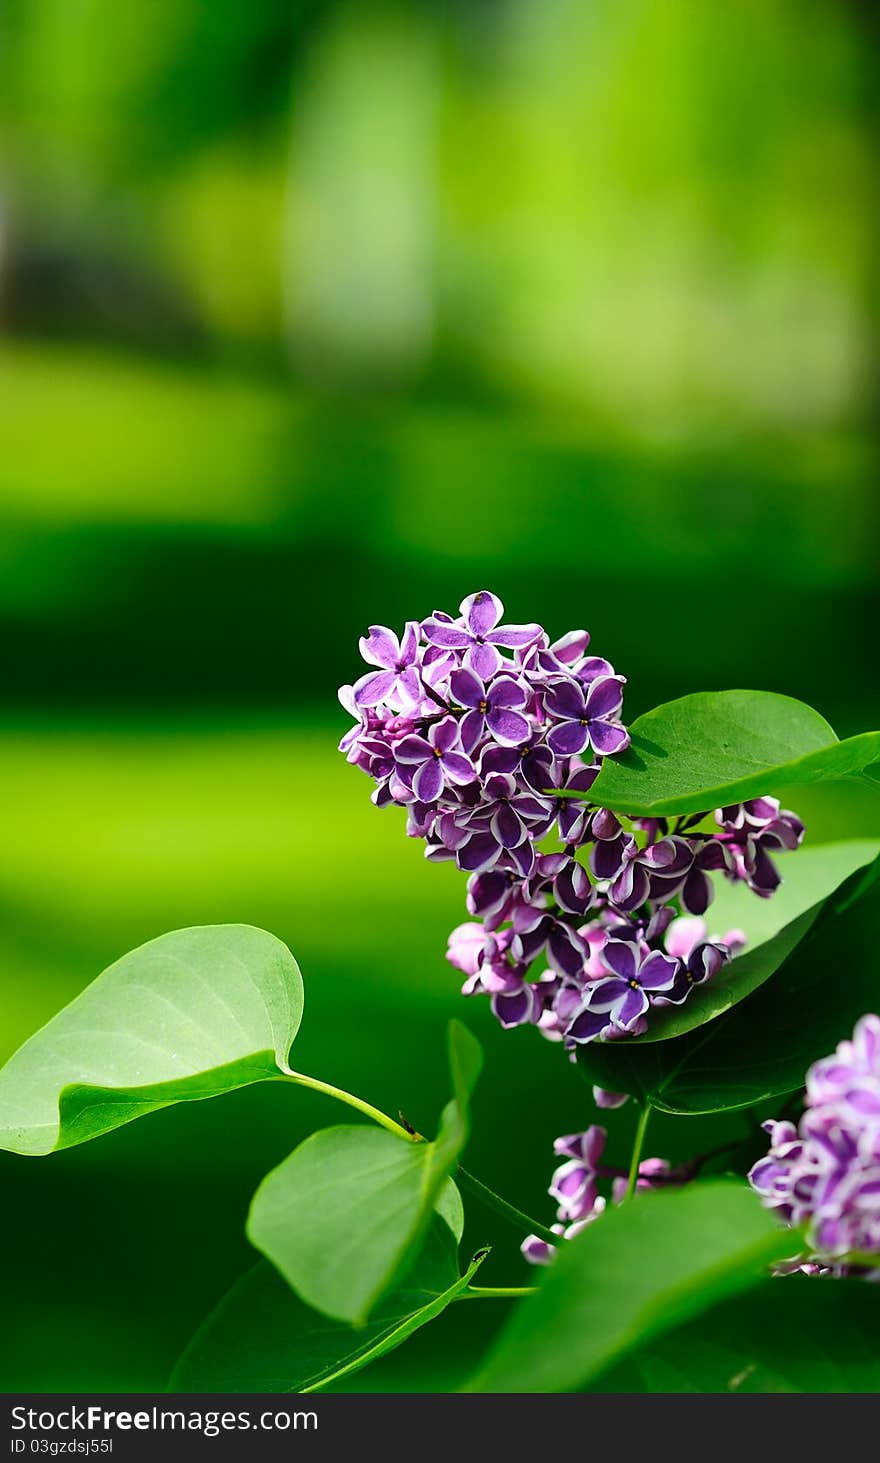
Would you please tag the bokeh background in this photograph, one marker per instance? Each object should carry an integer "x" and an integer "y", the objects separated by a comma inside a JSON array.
[{"x": 321, "y": 314}]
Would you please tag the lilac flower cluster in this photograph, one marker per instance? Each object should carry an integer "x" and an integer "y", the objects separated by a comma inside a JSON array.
[
  {"x": 575, "y": 1187},
  {"x": 825, "y": 1173},
  {"x": 491, "y": 737}
]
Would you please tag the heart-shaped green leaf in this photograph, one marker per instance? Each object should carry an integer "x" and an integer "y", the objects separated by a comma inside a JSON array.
[
  {"x": 262, "y": 1338},
  {"x": 642, "y": 1268},
  {"x": 799, "y": 1334},
  {"x": 810, "y": 878},
  {"x": 189, "y": 1015},
  {"x": 345, "y": 1213},
  {"x": 762, "y": 1047},
  {"x": 718, "y": 747}
]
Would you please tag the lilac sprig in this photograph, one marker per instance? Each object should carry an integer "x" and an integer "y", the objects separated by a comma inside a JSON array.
[
  {"x": 824, "y": 1173},
  {"x": 491, "y": 736},
  {"x": 575, "y": 1186}
]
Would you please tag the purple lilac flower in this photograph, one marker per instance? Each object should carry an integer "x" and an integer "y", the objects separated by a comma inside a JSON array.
[
  {"x": 575, "y": 1187},
  {"x": 397, "y": 681},
  {"x": 586, "y": 718},
  {"x": 491, "y": 737},
  {"x": 753, "y": 830},
  {"x": 478, "y": 633},
  {"x": 494, "y": 709},
  {"x": 622, "y": 999},
  {"x": 825, "y": 1173},
  {"x": 433, "y": 761}
]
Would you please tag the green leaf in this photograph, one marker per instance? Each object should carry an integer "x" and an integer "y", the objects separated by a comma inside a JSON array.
[
  {"x": 189, "y": 1015},
  {"x": 810, "y": 878},
  {"x": 762, "y": 1047},
  {"x": 717, "y": 747},
  {"x": 344, "y": 1214},
  {"x": 642, "y": 1268},
  {"x": 262, "y": 1338},
  {"x": 798, "y": 1334}
]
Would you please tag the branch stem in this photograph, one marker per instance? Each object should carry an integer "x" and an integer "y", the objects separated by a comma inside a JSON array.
[
  {"x": 638, "y": 1145},
  {"x": 316, "y": 1085}
]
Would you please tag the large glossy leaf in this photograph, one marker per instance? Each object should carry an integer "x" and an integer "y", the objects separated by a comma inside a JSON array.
[
  {"x": 796, "y": 1334},
  {"x": 644, "y": 1267},
  {"x": 810, "y": 878},
  {"x": 192, "y": 1014},
  {"x": 717, "y": 747},
  {"x": 262, "y": 1338},
  {"x": 762, "y": 1047},
  {"x": 345, "y": 1213}
]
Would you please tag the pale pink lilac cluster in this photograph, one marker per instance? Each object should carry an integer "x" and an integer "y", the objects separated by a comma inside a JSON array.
[
  {"x": 576, "y": 1188},
  {"x": 491, "y": 737},
  {"x": 824, "y": 1173}
]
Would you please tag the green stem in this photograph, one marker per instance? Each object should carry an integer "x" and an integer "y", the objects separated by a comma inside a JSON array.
[
  {"x": 356, "y": 1102},
  {"x": 638, "y": 1145},
  {"x": 482, "y": 1191},
  {"x": 509, "y": 1211},
  {"x": 501, "y": 1292}
]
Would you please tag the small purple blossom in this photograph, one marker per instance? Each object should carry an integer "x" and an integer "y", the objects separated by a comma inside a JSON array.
[
  {"x": 586, "y": 718},
  {"x": 478, "y": 634},
  {"x": 575, "y": 1187},
  {"x": 433, "y": 761}
]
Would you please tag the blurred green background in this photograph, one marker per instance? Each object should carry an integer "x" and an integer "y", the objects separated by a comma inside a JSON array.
[{"x": 321, "y": 314}]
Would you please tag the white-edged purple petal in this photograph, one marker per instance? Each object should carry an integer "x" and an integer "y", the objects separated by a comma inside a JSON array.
[
  {"x": 514, "y": 637},
  {"x": 481, "y": 612},
  {"x": 633, "y": 1005},
  {"x": 413, "y": 749},
  {"x": 473, "y": 724},
  {"x": 382, "y": 647},
  {"x": 508, "y": 693},
  {"x": 447, "y": 636},
  {"x": 658, "y": 971},
  {"x": 484, "y": 660},
  {"x": 468, "y": 689},
  {"x": 443, "y": 735},
  {"x": 457, "y": 768},
  {"x": 428, "y": 781},
  {"x": 607, "y": 739},
  {"x": 568, "y": 739},
  {"x": 622, "y": 957},
  {"x": 372, "y": 688},
  {"x": 510, "y": 727},
  {"x": 565, "y": 700},
  {"x": 604, "y": 698},
  {"x": 481, "y": 851},
  {"x": 507, "y": 827}
]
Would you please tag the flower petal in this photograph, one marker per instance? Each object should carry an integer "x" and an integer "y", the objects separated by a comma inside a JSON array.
[
  {"x": 382, "y": 647},
  {"x": 568, "y": 739},
  {"x": 481, "y": 611},
  {"x": 514, "y": 637},
  {"x": 457, "y": 768},
  {"x": 373, "y": 687},
  {"x": 608, "y": 740},
  {"x": 428, "y": 781},
  {"x": 604, "y": 698},
  {"x": 483, "y": 660},
  {"x": 623, "y": 957},
  {"x": 565, "y": 700},
  {"x": 509, "y": 727},
  {"x": 466, "y": 687}
]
